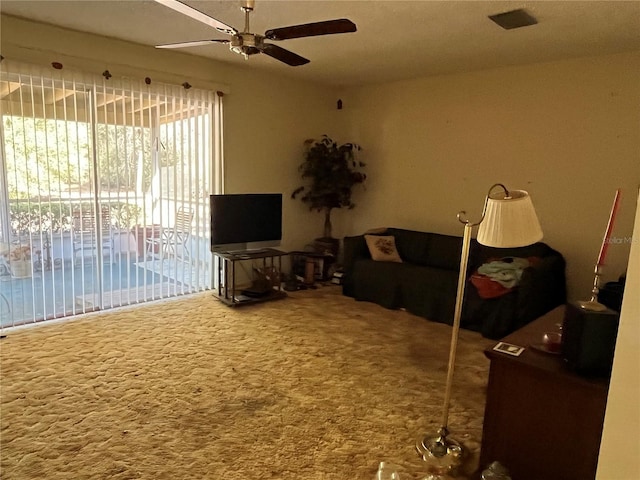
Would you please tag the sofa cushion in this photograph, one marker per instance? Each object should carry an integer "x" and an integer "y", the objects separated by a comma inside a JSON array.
[
  {"x": 383, "y": 248},
  {"x": 444, "y": 251},
  {"x": 412, "y": 246},
  {"x": 425, "y": 248}
]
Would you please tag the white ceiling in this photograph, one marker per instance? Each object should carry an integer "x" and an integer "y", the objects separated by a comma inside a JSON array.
[{"x": 396, "y": 39}]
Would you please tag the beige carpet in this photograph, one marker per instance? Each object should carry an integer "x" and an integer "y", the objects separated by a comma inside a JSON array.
[{"x": 316, "y": 387}]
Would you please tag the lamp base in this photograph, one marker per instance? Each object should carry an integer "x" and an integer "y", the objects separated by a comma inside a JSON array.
[
  {"x": 442, "y": 454},
  {"x": 592, "y": 305}
]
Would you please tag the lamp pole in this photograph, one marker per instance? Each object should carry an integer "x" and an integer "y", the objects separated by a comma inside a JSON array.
[
  {"x": 442, "y": 453},
  {"x": 509, "y": 221}
]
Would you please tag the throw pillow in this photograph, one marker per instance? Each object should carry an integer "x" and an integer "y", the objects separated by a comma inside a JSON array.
[{"x": 383, "y": 248}]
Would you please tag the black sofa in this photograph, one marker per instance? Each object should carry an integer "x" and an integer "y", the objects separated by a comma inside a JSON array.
[{"x": 425, "y": 283}]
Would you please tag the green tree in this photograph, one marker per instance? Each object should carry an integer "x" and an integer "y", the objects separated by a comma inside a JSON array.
[
  {"x": 119, "y": 149},
  {"x": 44, "y": 156}
]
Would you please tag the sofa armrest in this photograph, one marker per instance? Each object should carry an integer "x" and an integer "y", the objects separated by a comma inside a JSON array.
[
  {"x": 353, "y": 248},
  {"x": 542, "y": 288}
]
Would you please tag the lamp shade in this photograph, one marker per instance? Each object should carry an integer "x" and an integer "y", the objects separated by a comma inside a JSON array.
[{"x": 509, "y": 221}]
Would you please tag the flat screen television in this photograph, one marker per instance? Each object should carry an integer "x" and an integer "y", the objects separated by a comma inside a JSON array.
[{"x": 245, "y": 221}]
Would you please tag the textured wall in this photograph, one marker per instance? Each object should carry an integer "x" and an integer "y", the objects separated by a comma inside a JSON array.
[{"x": 568, "y": 132}]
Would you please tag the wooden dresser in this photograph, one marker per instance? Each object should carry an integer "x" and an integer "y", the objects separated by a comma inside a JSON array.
[{"x": 542, "y": 421}]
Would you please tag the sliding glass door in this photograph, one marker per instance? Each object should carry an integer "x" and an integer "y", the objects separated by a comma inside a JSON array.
[{"x": 104, "y": 192}]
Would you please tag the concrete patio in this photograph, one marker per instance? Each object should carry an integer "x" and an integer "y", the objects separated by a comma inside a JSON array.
[{"x": 63, "y": 287}]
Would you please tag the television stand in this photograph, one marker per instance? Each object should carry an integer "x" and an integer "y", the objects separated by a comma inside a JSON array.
[
  {"x": 227, "y": 290},
  {"x": 245, "y": 254}
]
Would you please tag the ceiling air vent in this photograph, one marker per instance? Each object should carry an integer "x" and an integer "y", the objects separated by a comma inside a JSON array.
[{"x": 513, "y": 19}]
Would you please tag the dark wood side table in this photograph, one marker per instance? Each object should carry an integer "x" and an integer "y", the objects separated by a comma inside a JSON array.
[{"x": 542, "y": 421}]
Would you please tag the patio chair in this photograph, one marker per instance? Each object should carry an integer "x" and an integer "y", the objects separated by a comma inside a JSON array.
[
  {"x": 85, "y": 233},
  {"x": 174, "y": 241}
]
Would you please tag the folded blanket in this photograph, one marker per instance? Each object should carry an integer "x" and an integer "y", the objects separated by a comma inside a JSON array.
[
  {"x": 498, "y": 277},
  {"x": 506, "y": 271},
  {"x": 487, "y": 288}
]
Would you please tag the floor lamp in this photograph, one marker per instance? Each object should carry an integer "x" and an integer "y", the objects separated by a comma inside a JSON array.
[{"x": 508, "y": 220}]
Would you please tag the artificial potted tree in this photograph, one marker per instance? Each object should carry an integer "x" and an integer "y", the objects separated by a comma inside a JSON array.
[{"x": 330, "y": 172}]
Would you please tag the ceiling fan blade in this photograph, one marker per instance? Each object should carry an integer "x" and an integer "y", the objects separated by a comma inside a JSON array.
[
  {"x": 328, "y": 27},
  {"x": 283, "y": 55},
  {"x": 196, "y": 43},
  {"x": 198, "y": 15}
]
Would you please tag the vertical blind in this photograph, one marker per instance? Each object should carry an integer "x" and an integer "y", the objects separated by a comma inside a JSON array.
[{"x": 104, "y": 191}]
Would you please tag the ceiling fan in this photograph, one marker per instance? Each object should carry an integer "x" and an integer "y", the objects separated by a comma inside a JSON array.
[{"x": 247, "y": 43}]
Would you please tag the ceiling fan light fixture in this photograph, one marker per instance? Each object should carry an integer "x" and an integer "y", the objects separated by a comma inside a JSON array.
[
  {"x": 247, "y": 43},
  {"x": 514, "y": 19}
]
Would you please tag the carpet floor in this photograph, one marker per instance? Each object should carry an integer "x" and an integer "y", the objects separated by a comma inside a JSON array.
[{"x": 313, "y": 387}]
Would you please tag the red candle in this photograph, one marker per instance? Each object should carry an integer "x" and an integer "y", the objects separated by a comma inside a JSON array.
[{"x": 607, "y": 235}]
